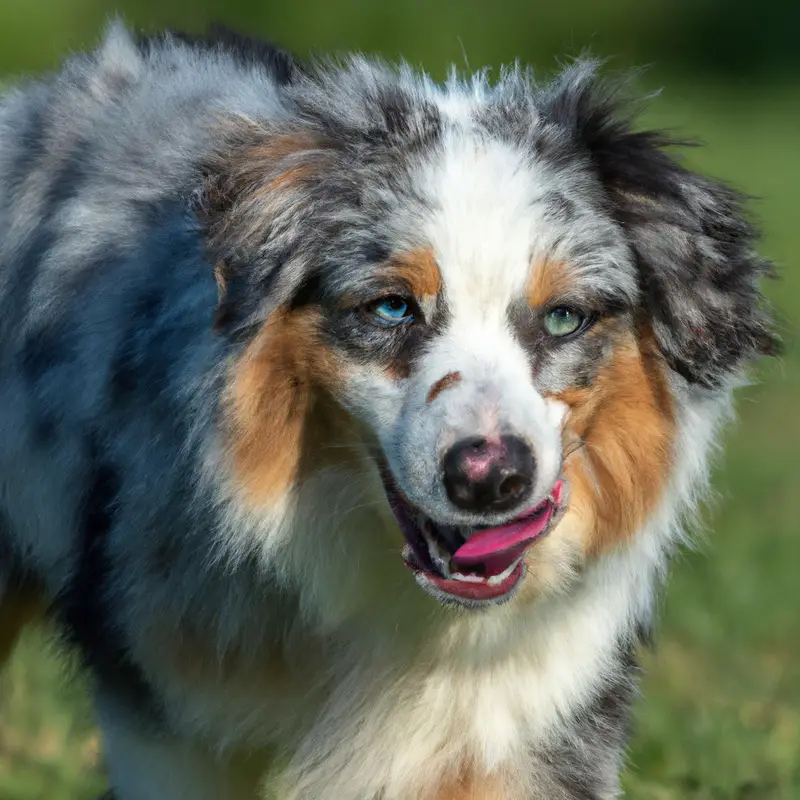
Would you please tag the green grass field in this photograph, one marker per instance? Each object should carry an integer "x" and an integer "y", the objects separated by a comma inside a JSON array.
[{"x": 720, "y": 713}]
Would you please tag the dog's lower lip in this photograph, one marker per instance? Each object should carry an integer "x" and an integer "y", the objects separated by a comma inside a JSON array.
[{"x": 477, "y": 591}]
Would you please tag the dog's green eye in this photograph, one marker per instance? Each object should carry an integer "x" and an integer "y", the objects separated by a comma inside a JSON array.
[
  {"x": 392, "y": 310},
  {"x": 563, "y": 321}
]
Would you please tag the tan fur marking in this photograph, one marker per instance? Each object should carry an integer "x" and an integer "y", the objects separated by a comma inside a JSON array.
[
  {"x": 626, "y": 422},
  {"x": 397, "y": 371},
  {"x": 420, "y": 270},
  {"x": 272, "y": 397},
  {"x": 549, "y": 281},
  {"x": 278, "y": 147},
  {"x": 246, "y": 174},
  {"x": 451, "y": 379},
  {"x": 256, "y": 165},
  {"x": 471, "y": 786},
  {"x": 289, "y": 177}
]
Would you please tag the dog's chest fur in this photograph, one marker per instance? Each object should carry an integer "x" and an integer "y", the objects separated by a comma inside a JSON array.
[{"x": 531, "y": 704}]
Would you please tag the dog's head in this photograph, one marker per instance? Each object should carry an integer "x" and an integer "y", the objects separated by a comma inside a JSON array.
[{"x": 506, "y": 296}]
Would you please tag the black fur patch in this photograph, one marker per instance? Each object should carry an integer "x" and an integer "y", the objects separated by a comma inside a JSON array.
[
  {"x": 132, "y": 369},
  {"x": 243, "y": 291},
  {"x": 43, "y": 351},
  {"x": 9, "y": 564},
  {"x": 5, "y": 537},
  {"x": 84, "y": 607},
  {"x": 396, "y": 349},
  {"x": 248, "y": 51},
  {"x": 408, "y": 123},
  {"x": 375, "y": 252}
]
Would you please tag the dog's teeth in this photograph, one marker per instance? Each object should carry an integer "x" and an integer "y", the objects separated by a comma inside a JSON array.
[
  {"x": 494, "y": 580},
  {"x": 460, "y": 576}
]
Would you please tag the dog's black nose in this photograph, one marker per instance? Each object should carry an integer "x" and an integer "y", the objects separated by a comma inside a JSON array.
[{"x": 489, "y": 474}]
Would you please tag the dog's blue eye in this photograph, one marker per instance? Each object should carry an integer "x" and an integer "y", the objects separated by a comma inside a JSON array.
[
  {"x": 563, "y": 321},
  {"x": 392, "y": 310}
]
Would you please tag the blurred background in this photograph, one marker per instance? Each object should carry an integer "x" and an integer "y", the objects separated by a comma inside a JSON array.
[{"x": 720, "y": 713}]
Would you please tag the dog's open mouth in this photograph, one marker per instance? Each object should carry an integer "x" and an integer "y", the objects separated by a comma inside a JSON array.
[{"x": 471, "y": 566}]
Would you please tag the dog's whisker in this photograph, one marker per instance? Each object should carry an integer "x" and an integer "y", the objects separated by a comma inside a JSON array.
[{"x": 573, "y": 448}]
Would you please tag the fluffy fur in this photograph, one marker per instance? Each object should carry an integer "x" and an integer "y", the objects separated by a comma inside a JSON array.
[{"x": 199, "y": 413}]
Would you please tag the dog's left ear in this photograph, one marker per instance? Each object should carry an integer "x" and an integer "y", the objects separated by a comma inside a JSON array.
[
  {"x": 259, "y": 190},
  {"x": 690, "y": 236}
]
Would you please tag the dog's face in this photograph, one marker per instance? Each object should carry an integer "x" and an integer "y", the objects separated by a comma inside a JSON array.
[
  {"x": 493, "y": 303},
  {"x": 501, "y": 297}
]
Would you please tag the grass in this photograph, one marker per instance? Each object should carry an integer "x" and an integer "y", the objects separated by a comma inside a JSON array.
[
  {"x": 48, "y": 747},
  {"x": 720, "y": 714}
]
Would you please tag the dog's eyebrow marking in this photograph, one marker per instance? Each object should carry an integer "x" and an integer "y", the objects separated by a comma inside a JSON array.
[
  {"x": 548, "y": 280},
  {"x": 451, "y": 379},
  {"x": 420, "y": 270}
]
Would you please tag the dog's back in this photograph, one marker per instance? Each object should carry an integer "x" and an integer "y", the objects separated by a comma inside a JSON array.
[
  {"x": 108, "y": 359},
  {"x": 105, "y": 306}
]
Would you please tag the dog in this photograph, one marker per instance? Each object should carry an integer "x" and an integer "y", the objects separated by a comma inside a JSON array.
[{"x": 349, "y": 419}]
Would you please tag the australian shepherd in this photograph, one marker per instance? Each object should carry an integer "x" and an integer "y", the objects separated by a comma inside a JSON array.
[{"x": 348, "y": 419}]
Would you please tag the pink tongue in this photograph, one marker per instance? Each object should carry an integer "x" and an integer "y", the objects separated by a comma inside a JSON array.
[
  {"x": 494, "y": 541},
  {"x": 495, "y": 563}
]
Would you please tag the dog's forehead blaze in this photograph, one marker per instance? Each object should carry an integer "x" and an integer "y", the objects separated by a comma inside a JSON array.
[
  {"x": 271, "y": 403},
  {"x": 419, "y": 270},
  {"x": 626, "y": 424},
  {"x": 548, "y": 281}
]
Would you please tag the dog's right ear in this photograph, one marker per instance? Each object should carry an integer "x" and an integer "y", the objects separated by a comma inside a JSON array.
[
  {"x": 694, "y": 246},
  {"x": 257, "y": 198}
]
